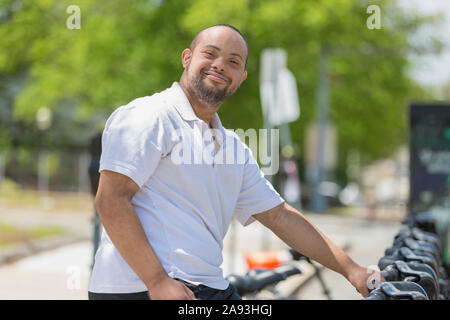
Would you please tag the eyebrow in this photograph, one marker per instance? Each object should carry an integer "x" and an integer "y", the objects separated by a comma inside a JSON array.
[{"x": 232, "y": 54}]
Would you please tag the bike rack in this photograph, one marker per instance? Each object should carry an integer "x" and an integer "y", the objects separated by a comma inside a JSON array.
[
  {"x": 417, "y": 234},
  {"x": 424, "y": 279},
  {"x": 413, "y": 266},
  {"x": 398, "y": 290}
]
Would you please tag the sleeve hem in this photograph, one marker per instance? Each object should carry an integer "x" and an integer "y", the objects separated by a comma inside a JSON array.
[
  {"x": 245, "y": 215},
  {"x": 124, "y": 169}
]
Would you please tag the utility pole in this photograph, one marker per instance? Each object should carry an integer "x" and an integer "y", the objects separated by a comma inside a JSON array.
[{"x": 318, "y": 202}]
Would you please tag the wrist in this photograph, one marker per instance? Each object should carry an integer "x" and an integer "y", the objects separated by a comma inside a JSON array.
[
  {"x": 351, "y": 268},
  {"x": 156, "y": 279}
]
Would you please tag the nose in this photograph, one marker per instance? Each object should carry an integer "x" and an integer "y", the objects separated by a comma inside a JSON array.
[{"x": 218, "y": 64}]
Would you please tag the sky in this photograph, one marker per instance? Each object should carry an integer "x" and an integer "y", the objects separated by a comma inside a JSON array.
[{"x": 432, "y": 70}]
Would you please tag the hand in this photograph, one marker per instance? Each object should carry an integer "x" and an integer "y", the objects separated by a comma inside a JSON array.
[
  {"x": 365, "y": 279},
  {"x": 169, "y": 289}
]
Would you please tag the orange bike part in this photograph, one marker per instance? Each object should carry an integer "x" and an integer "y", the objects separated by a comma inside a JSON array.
[{"x": 263, "y": 260}]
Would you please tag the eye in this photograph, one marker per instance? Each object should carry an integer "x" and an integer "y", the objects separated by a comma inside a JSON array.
[
  {"x": 209, "y": 53},
  {"x": 234, "y": 61}
]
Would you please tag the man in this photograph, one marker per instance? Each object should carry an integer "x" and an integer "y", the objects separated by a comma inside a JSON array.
[{"x": 164, "y": 215}]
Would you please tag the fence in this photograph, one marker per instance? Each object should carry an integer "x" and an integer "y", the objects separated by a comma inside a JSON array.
[{"x": 45, "y": 170}]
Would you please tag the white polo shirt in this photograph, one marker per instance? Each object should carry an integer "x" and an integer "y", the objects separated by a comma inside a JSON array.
[{"x": 188, "y": 192}]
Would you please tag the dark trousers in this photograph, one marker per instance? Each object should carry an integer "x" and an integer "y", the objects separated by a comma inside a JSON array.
[{"x": 201, "y": 292}]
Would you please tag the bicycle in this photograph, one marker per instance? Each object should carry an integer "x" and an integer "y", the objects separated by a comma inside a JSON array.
[
  {"x": 267, "y": 269},
  {"x": 254, "y": 281}
]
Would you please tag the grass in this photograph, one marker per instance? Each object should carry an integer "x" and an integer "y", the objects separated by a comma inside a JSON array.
[
  {"x": 12, "y": 195},
  {"x": 10, "y": 234},
  {"x": 51, "y": 201}
]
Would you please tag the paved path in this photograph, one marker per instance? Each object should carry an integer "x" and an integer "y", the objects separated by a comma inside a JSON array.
[{"x": 57, "y": 274}]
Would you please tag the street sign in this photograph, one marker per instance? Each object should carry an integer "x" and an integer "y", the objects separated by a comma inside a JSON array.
[
  {"x": 429, "y": 155},
  {"x": 430, "y": 165},
  {"x": 278, "y": 89},
  {"x": 287, "y": 107}
]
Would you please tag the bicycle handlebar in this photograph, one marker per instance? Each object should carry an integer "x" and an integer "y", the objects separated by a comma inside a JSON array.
[
  {"x": 376, "y": 294},
  {"x": 297, "y": 256},
  {"x": 398, "y": 290},
  {"x": 390, "y": 273},
  {"x": 256, "y": 281}
]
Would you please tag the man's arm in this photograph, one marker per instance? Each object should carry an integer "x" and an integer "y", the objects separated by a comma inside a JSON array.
[
  {"x": 113, "y": 204},
  {"x": 300, "y": 234}
]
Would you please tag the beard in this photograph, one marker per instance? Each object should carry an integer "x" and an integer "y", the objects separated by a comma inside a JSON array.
[{"x": 208, "y": 94}]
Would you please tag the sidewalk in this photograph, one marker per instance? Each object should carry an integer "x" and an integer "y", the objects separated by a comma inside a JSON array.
[
  {"x": 77, "y": 226},
  {"x": 57, "y": 267},
  {"x": 63, "y": 273}
]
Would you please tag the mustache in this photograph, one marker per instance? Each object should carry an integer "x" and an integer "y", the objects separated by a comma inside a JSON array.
[{"x": 203, "y": 72}]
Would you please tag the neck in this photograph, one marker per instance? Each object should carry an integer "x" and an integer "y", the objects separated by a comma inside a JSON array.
[{"x": 201, "y": 110}]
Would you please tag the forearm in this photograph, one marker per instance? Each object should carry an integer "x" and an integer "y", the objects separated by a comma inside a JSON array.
[
  {"x": 300, "y": 234},
  {"x": 127, "y": 234}
]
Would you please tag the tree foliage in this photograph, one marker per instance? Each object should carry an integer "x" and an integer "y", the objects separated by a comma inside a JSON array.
[{"x": 126, "y": 49}]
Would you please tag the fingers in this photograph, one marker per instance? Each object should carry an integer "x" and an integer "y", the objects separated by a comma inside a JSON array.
[
  {"x": 365, "y": 292},
  {"x": 171, "y": 289},
  {"x": 374, "y": 279},
  {"x": 366, "y": 280},
  {"x": 189, "y": 293}
]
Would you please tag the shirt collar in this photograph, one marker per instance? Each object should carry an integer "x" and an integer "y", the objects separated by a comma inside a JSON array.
[
  {"x": 184, "y": 108},
  {"x": 181, "y": 103}
]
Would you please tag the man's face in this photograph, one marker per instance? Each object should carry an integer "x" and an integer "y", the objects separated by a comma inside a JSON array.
[{"x": 216, "y": 67}]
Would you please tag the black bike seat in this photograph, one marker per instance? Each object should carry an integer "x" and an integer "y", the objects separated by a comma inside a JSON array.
[
  {"x": 417, "y": 234},
  {"x": 424, "y": 279},
  {"x": 411, "y": 256},
  {"x": 401, "y": 290}
]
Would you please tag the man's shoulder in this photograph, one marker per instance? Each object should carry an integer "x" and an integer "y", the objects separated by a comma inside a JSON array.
[
  {"x": 146, "y": 108},
  {"x": 151, "y": 105}
]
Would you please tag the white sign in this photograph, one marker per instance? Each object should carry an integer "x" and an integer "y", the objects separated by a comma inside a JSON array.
[
  {"x": 278, "y": 88},
  {"x": 287, "y": 108}
]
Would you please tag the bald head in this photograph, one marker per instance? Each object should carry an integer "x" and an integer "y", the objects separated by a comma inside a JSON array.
[
  {"x": 214, "y": 65},
  {"x": 210, "y": 29}
]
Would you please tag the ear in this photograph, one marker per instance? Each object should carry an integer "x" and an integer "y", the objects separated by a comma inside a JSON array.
[
  {"x": 244, "y": 76},
  {"x": 186, "y": 57}
]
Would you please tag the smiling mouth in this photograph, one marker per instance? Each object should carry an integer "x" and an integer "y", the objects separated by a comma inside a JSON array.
[{"x": 216, "y": 77}]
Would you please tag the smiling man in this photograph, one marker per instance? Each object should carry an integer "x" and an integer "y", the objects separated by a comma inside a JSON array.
[
  {"x": 214, "y": 68},
  {"x": 164, "y": 221}
]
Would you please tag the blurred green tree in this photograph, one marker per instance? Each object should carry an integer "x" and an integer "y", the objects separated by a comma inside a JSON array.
[{"x": 126, "y": 49}]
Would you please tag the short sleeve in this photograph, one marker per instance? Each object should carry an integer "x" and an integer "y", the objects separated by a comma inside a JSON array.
[
  {"x": 132, "y": 143},
  {"x": 257, "y": 194}
]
